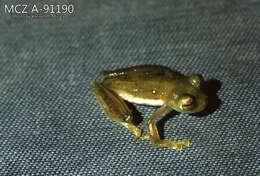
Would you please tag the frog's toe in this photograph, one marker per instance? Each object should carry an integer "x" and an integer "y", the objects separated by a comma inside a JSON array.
[
  {"x": 179, "y": 145},
  {"x": 144, "y": 137},
  {"x": 136, "y": 137},
  {"x": 175, "y": 146},
  {"x": 138, "y": 133},
  {"x": 186, "y": 143}
]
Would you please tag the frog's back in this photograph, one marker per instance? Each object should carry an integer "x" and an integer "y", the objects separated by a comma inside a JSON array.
[
  {"x": 142, "y": 70},
  {"x": 142, "y": 84}
]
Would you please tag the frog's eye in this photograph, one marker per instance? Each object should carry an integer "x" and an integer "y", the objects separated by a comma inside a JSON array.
[
  {"x": 196, "y": 80},
  {"x": 187, "y": 102}
]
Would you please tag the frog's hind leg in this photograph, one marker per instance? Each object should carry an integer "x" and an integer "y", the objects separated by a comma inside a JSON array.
[
  {"x": 115, "y": 108},
  {"x": 153, "y": 134}
]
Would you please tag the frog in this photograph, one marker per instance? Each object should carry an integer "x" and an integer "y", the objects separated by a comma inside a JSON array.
[{"x": 150, "y": 85}]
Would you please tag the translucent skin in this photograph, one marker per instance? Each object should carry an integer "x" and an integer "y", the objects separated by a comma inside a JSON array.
[{"x": 149, "y": 85}]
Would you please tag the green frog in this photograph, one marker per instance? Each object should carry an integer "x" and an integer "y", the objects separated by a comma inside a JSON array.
[{"x": 153, "y": 86}]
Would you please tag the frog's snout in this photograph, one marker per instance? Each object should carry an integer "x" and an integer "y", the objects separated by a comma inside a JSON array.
[{"x": 202, "y": 103}]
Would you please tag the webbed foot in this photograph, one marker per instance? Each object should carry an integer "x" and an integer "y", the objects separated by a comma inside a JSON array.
[{"x": 174, "y": 145}]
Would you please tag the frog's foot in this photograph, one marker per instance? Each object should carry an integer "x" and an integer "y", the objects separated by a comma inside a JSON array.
[
  {"x": 174, "y": 145},
  {"x": 137, "y": 137},
  {"x": 130, "y": 126},
  {"x": 179, "y": 145},
  {"x": 154, "y": 136},
  {"x": 144, "y": 137}
]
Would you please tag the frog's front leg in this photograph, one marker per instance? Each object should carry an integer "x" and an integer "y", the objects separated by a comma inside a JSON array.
[
  {"x": 153, "y": 134},
  {"x": 115, "y": 108}
]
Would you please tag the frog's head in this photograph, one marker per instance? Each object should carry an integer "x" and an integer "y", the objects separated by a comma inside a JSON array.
[{"x": 188, "y": 98}]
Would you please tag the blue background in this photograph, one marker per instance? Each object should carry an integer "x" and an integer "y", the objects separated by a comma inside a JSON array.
[{"x": 51, "y": 124}]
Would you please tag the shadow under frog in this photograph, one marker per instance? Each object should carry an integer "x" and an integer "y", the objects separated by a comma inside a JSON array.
[{"x": 154, "y": 86}]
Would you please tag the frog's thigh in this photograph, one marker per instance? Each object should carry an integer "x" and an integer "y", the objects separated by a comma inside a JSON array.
[
  {"x": 115, "y": 107},
  {"x": 153, "y": 134}
]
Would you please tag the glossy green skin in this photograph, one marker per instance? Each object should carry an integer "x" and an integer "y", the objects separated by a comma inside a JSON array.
[
  {"x": 155, "y": 83},
  {"x": 149, "y": 85}
]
